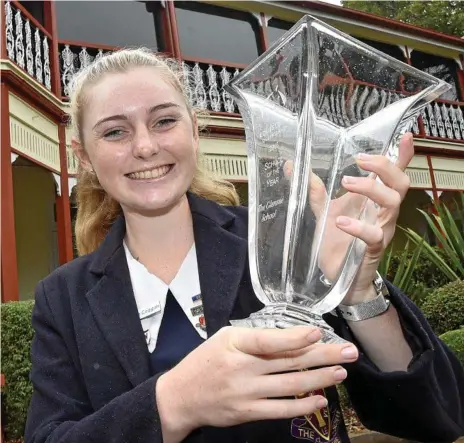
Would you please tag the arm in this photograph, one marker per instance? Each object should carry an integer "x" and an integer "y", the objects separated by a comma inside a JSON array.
[
  {"x": 60, "y": 410},
  {"x": 423, "y": 403},
  {"x": 382, "y": 338}
]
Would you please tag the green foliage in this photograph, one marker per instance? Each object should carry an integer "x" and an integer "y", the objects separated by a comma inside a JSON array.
[
  {"x": 410, "y": 270},
  {"x": 444, "y": 307},
  {"x": 455, "y": 340},
  {"x": 442, "y": 16},
  {"x": 448, "y": 229},
  {"x": 17, "y": 335}
]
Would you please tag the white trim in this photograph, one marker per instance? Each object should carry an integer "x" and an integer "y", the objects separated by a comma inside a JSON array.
[
  {"x": 72, "y": 181},
  {"x": 14, "y": 156},
  {"x": 459, "y": 62},
  {"x": 257, "y": 16},
  {"x": 405, "y": 50},
  {"x": 58, "y": 183}
]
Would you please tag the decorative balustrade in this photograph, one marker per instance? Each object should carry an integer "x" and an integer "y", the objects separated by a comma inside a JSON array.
[
  {"x": 444, "y": 120},
  {"x": 204, "y": 84},
  {"x": 74, "y": 58},
  {"x": 27, "y": 44}
]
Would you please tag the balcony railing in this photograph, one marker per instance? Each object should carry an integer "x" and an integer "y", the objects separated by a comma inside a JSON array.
[
  {"x": 27, "y": 43},
  {"x": 73, "y": 58}
]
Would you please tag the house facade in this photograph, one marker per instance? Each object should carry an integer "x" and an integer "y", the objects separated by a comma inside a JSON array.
[{"x": 45, "y": 43}]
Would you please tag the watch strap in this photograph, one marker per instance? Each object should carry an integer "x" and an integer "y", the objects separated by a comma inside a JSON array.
[{"x": 370, "y": 308}]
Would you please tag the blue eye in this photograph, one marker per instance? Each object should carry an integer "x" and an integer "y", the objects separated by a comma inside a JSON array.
[
  {"x": 166, "y": 121},
  {"x": 114, "y": 133}
]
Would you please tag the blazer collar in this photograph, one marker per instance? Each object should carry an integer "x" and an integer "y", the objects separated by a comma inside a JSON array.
[
  {"x": 200, "y": 208},
  {"x": 221, "y": 256}
]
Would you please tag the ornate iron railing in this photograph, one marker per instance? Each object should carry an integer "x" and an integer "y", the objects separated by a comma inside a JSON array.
[{"x": 27, "y": 44}]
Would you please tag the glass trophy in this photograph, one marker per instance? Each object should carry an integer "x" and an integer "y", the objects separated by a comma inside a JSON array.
[{"x": 310, "y": 104}]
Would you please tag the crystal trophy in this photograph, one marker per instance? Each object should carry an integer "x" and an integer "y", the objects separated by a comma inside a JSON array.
[{"x": 310, "y": 104}]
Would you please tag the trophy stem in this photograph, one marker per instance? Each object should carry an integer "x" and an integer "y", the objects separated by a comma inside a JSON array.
[{"x": 287, "y": 315}]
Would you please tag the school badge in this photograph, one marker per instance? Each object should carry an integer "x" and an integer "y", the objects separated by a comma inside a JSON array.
[{"x": 320, "y": 427}]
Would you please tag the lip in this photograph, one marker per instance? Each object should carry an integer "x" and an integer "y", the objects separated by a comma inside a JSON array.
[
  {"x": 150, "y": 168},
  {"x": 135, "y": 176}
]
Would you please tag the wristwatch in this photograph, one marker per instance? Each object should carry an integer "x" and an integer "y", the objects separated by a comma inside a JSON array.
[{"x": 368, "y": 309}]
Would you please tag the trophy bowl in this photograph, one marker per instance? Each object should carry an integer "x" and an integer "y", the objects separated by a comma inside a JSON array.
[{"x": 310, "y": 104}]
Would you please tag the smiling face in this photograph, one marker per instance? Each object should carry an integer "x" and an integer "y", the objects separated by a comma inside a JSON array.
[{"x": 139, "y": 138}]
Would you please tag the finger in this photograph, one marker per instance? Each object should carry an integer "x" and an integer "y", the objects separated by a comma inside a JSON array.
[
  {"x": 296, "y": 383},
  {"x": 312, "y": 356},
  {"x": 317, "y": 195},
  {"x": 391, "y": 174},
  {"x": 406, "y": 151},
  {"x": 281, "y": 409},
  {"x": 371, "y": 234},
  {"x": 379, "y": 193},
  {"x": 317, "y": 192},
  {"x": 269, "y": 341}
]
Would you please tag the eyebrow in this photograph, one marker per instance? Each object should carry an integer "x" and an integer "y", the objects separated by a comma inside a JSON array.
[{"x": 124, "y": 117}]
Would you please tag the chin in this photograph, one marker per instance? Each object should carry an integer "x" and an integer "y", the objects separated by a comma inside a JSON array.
[{"x": 155, "y": 203}]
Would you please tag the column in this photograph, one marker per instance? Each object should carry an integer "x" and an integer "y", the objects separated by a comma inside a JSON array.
[
  {"x": 9, "y": 274},
  {"x": 63, "y": 210},
  {"x": 50, "y": 26},
  {"x": 171, "y": 14}
]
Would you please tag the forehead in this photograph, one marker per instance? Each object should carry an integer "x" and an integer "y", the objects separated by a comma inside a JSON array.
[{"x": 120, "y": 93}]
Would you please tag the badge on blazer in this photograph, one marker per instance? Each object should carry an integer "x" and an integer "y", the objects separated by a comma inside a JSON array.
[
  {"x": 319, "y": 427},
  {"x": 149, "y": 312},
  {"x": 197, "y": 310},
  {"x": 201, "y": 323},
  {"x": 147, "y": 336},
  {"x": 196, "y": 298}
]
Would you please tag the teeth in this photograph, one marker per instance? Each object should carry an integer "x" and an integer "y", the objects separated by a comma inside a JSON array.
[{"x": 153, "y": 174}]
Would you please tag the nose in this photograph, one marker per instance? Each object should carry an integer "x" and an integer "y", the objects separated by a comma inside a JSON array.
[{"x": 144, "y": 144}]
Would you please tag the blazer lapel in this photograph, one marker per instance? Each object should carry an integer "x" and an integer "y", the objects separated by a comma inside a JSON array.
[
  {"x": 221, "y": 256},
  {"x": 113, "y": 305}
]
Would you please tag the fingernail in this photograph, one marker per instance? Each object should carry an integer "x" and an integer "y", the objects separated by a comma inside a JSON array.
[
  {"x": 348, "y": 179},
  {"x": 343, "y": 221},
  {"x": 340, "y": 374},
  {"x": 322, "y": 403},
  {"x": 349, "y": 352},
  {"x": 314, "y": 335},
  {"x": 363, "y": 156}
]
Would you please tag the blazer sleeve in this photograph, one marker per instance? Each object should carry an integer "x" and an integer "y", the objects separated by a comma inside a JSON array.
[
  {"x": 424, "y": 403},
  {"x": 60, "y": 411}
]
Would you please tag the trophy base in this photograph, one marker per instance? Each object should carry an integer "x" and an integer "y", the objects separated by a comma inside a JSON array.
[{"x": 286, "y": 315}]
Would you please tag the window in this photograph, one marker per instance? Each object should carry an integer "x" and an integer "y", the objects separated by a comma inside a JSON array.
[
  {"x": 36, "y": 9},
  {"x": 121, "y": 23},
  {"x": 275, "y": 29},
  {"x": 212, "y": 32},
  {"x": 440, "y": 67}
]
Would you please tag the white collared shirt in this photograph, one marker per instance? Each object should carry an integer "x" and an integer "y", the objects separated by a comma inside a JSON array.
[{"x": 150, "y": 292}]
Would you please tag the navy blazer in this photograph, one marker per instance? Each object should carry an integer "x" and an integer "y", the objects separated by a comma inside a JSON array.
[{"x": 91, "y": 369}]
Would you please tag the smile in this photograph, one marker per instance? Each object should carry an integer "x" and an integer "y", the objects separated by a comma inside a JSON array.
[{"x": 152, "y": 174}]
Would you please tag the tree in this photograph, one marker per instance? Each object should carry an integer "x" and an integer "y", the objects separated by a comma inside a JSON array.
[{"x": 442, "y": 16}]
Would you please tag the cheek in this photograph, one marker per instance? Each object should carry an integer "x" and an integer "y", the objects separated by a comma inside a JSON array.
[{"x": 110, "y": 158}]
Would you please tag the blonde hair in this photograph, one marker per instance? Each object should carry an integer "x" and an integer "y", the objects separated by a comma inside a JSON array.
[{"x": 96, "y": 210}]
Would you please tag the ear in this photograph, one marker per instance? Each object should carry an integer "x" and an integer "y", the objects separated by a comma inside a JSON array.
[{"x": 80, "y": 153}]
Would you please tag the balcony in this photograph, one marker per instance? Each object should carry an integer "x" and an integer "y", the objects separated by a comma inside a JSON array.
[{"x": 28, "y": 46}]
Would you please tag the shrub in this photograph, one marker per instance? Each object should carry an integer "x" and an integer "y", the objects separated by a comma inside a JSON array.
[
  {"x": 17, "y": 335},
  {"x": 411, "y": 270},
  {"x": 455, "y": 340},
  {"x": 444, "y": 307}
]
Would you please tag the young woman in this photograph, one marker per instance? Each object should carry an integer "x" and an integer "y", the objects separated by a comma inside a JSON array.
[{"x": 131, "y": 339}]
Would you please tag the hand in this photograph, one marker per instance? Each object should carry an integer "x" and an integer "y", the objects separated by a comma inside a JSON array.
[
  {"x": 342, "y": 223},
  {"x": 238, "y": 375}
]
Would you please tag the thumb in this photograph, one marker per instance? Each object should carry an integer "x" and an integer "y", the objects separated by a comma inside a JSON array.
[{"x": 317, "y": 192}]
